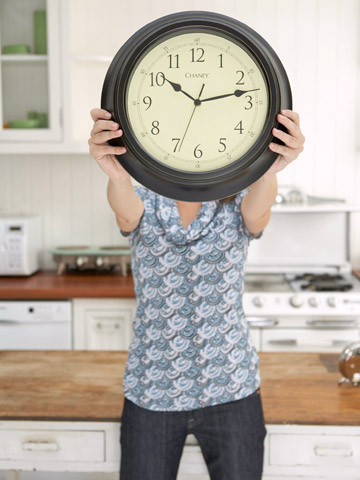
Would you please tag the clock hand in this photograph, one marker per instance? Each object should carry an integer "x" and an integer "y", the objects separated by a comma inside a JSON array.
[
  {"x": 197, "y": 103},
  {"x": 177, "y": 88},
  {"x": 237, "y": 93}
]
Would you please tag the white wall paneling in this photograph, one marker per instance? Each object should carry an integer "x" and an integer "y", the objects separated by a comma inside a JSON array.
[{"x": 318, "y": 43}]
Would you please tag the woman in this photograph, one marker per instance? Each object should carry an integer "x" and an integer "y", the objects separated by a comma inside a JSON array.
[{"x": 192, "y": 366}]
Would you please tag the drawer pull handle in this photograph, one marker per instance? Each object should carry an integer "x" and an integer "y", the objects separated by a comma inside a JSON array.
[
  {"x": 40, "y": 446},
  {"x": 333, "y": 451}
]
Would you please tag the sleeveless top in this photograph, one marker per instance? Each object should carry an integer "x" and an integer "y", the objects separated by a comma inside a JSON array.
[{"x": 192, "y": 346}]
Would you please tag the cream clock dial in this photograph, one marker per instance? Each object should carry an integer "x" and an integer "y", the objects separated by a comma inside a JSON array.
[
  {"x": 197, "y": 95},
  {"x": 222, "y": 114}
]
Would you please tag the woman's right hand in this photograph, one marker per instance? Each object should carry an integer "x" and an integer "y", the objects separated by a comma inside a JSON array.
[{"x": 103, "y": 130}]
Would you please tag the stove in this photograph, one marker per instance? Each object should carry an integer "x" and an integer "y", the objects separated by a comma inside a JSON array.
[{"x": 302, "y": 294}]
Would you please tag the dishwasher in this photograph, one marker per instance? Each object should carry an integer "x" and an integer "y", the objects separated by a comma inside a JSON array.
[{"x": 36, "y": 325}]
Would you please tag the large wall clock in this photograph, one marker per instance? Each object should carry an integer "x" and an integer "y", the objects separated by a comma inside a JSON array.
[{"x": 196, "y": 94}]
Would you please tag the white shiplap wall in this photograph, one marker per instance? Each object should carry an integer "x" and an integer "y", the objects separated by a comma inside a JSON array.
[{"x": 318, "y": 43}]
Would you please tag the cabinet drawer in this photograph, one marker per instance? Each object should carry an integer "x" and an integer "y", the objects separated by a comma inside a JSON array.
[
  {"x": 336, "y": 451},
  {"x": 52, "y": 445},
  {"x": 192, "y": 464}
]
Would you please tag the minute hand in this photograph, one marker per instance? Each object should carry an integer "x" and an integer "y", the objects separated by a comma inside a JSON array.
[{"x": 237, "y": 93}]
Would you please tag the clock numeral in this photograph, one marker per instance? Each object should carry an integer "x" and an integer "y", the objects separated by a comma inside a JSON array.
[
  {"x": 240, "y": 82},
  {"x": 252, "y": 134},
  {"x": 223, "y": 144},
  {"x": 196, "y": 40},
  {"x": 260, "y": 102},
  {"x": 159, "y": 76},
  {"x": 197, "y": 152},
  {"x": 171, "y": 61},
  {"x": 249, "y": 102},
  {"x": 155, "y": 130},
  {"x": 147, "y": 100},
  {"x": 134, "y": 102},
  {"x": 221, "y": 60},
  {"x": 193, "y": 55},
  {"x": 239, "y": 127},
  {"x": 176, "y": 140},
  {"x": 197, "y": 165}
]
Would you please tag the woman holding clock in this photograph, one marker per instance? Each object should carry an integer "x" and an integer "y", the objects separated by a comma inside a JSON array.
[{"x": 192, "y": 365}]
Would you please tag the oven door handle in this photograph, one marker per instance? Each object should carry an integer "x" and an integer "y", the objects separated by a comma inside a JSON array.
[
  {"x": 262, "y": 321},
  {"x": 333, "y": 323}
]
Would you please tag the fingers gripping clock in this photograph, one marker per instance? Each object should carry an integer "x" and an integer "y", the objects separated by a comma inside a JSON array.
[{"x": 182, "y": 144}]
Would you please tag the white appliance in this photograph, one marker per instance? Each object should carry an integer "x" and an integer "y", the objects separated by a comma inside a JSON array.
[
  {"x": 20, "y": 244},
  {"x": 36, "y": 325},
  {"x": 299, "y": 292}
]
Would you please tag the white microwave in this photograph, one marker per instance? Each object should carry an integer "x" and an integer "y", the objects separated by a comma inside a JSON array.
[{"x": 20, "y": 244}]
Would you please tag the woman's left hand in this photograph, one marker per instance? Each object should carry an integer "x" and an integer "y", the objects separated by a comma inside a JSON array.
[{"x": 294, "y": 141}]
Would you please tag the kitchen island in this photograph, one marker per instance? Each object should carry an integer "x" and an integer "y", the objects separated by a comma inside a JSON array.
[{"x": 61, "y": 411}]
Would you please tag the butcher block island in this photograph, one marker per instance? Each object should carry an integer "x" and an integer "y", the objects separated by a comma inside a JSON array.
[{"x": 61, "y": 411}]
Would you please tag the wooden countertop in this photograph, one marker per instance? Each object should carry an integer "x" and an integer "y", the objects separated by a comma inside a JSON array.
[
  {"x": 47, "y": 285},
  {"x": 297, "y": 388}
]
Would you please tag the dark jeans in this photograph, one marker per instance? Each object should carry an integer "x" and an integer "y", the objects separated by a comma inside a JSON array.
[{"x": 231, "y": 437}]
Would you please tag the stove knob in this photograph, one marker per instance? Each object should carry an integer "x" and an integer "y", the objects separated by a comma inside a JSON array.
[
  {"x": 313, "y": 302},
  {"x": 80, "y": 261},
  {"x": 99, "y": 261},
  {"x": 332, "y": 301},
  {"x": 296, "y": 301},
  {"x": 258, "y": 301}
]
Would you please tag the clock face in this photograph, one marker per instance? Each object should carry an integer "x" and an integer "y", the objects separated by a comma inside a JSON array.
[{"x": 197, "y": 101}]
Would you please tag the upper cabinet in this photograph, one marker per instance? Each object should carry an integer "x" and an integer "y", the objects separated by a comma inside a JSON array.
[
  {"x": 93, "y": 33},
  {"x": 30, "y": 75}
]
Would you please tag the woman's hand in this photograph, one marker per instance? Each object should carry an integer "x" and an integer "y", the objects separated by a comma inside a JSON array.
[
  {"x": 103, "y": 130},
  {"x": 294, "y": 141}
]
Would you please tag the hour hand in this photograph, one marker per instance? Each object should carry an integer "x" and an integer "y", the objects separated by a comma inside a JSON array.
[
  {"x": 177, "y": 88},
  {"x": 237, "y": 93}
]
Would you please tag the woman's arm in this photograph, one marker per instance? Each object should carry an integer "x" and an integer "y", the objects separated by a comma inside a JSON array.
[{"x": 256, "y": 205}]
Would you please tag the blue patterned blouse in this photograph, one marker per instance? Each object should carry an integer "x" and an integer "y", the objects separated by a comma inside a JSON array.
[{"x": 191, "y": 346}]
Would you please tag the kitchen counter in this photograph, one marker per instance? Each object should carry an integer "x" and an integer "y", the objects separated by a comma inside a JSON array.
[
  {"x": 297, "y": 388},
  {"x": 47, "y": 285}
]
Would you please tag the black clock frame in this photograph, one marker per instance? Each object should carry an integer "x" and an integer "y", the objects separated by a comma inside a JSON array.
[{"x": 178, "y": 184}]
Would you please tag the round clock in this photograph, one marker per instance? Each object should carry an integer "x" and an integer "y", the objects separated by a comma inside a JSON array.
[{"x": 196, "y": 94}]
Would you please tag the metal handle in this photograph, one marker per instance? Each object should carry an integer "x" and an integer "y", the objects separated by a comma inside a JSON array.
[
  {"x": 333, "y": 324},
  {"x": 104, "y": 326},
  {"x": 333, "y": 450},
  {"x": 316, "y": 343},
  {"x": 40, "y": 446},
  {"x": 284, "y": 341},
  {"x": 262, "y": 321}
]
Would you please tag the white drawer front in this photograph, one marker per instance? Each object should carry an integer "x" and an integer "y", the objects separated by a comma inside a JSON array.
[
  {"x": 192, "y": 464},
  {"x": 52, "y": 445},
  {"x": 314, "y": 450}
]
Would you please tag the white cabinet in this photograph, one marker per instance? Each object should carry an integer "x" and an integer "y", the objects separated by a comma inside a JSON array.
[
  {"x": 103, "y": 324},
  {"x": 309, "y": 452},
  {"x": 30, "y": 81},
  {"x": 291, "y": 452}
]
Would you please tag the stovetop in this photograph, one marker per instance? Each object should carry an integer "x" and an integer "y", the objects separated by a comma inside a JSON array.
[{"x": 304, "y": 282}]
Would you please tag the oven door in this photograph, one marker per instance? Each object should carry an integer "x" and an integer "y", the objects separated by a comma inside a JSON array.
[{"x": 316, "y": 336}]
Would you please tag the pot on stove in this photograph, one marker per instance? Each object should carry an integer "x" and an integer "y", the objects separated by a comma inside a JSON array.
[{"x": 349, "y": 364}]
